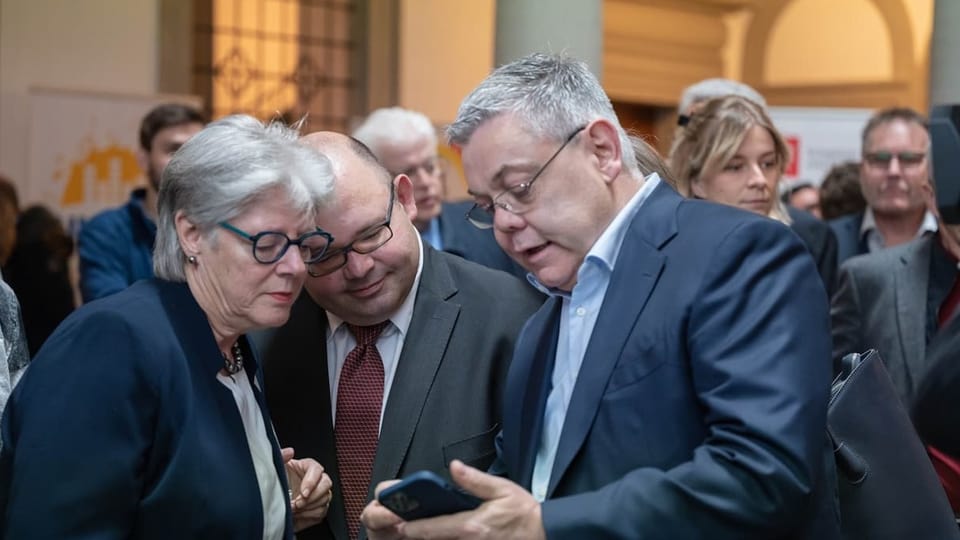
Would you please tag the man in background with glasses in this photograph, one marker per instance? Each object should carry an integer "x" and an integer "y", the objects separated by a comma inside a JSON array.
[
  {"x": 893, "y": 171},
  {"x": 675, "y": 382},
  {"x": 436, "y": 333},
  {"x": 405, "y": 142}
]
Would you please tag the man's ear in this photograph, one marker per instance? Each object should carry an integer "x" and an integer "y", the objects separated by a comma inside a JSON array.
[
  {"x": 404, "y": 187},
  {"x": 605, "y": 144},
  {"x": 188, "y": 234}
]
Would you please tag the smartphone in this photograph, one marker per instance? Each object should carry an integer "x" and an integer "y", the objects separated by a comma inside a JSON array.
[{"x": 424, "y": 494}]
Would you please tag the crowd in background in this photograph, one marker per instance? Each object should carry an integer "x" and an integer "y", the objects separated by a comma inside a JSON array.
[{"x": 625, "y": 357}]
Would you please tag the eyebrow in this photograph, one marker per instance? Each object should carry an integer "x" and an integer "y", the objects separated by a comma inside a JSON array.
[{"x": 497, "y": 179}]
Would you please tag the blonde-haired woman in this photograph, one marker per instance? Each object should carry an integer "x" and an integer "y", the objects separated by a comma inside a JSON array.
[{"x": 730, "y": 152}]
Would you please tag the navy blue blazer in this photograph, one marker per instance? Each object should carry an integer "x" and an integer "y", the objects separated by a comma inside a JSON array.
[
  {"x": 849, "y": 241},
  {"x": 700, "y": 409},
  {"x": 120, "y": 429},
  {"x": 461, "y": 238}
]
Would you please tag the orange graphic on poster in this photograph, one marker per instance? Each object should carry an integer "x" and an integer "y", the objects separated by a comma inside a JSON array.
[{"x": 102, "y": 166}]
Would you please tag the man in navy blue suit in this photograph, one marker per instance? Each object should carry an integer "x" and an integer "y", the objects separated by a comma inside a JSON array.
[
  {"x": 675, "y": 383},
  {"x": 405, "y": 142}
]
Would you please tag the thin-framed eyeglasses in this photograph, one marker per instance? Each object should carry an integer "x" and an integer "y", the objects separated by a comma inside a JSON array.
[
  {"x": 366, "y": 242},
  {"x": 882, "y": 159},
  {"x": 270, "y": 246},
  {"x": 514, "y": 199}
]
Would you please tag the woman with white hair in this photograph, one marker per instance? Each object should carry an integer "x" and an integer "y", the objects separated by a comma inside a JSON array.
[{"x": 143, "y": 415}]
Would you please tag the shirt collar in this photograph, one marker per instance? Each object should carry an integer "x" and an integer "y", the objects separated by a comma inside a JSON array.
[
  {"x": 606, "y": 249},
  {"x": 400, "y": 318},
  {"x": 869, "y": 223}
]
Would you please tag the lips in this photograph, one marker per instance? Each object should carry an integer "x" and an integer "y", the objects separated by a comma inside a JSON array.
[
  {"x": 367, "y": 290},
  {"x": 283, "y": 297}
]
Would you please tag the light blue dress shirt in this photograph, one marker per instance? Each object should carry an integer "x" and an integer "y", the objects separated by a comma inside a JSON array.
[
  {"x": 577, "y": 319},
  {"x": 432, "y": 234}
]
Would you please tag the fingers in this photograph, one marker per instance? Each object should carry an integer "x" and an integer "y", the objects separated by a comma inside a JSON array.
[
  {"x": 479, "y": 483},
  {"x": 383, "y": 485},
  {"x": 286, "y": 454},
  {"x": 379, "y": 521},
  {"x": 310, "y": 474},
  {"x": 317, "y": 500}
]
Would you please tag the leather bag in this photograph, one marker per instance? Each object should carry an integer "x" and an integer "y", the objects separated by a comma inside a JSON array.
[{"x": 888, "y": 488}]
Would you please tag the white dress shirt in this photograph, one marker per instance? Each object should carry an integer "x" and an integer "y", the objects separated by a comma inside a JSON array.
[{"x": 390, "y": 343}]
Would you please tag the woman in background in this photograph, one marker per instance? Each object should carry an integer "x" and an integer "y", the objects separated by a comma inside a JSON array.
[
  {"x": 729, "y": 152},
  {"x": 143, "y": 414},
  {"x": 38, "y": 271}
]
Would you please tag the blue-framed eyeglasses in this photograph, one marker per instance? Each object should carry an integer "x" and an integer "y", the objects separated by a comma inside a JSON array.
[
  {"x": 270, "y": 246},
  {"x": 515, "y": 199},
  {"x": 366, "y": 242}
]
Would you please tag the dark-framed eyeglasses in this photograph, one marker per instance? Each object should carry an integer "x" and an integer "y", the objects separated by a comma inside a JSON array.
[
  {"x": 366, "y": 242},
  {"x": 515, "y": 199},
  {"x": 883, "y": 158},
  {"x": 270, "y": 246}
]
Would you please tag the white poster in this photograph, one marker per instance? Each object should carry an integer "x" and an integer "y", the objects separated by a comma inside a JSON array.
[
  {"x": 83, "y": 149},
  {"x": 819, "y": 138}
]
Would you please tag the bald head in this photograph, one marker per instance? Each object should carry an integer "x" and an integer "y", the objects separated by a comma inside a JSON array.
[{"x": 344, "y": 152}]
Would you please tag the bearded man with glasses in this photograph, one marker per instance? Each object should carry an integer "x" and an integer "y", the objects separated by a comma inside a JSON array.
[
  {"x": 395, "y": 357},
  {"x": 675, "y": 382}
]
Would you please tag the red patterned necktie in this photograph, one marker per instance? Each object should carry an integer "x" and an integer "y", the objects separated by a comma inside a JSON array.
[{"x": 357, "y": 427}]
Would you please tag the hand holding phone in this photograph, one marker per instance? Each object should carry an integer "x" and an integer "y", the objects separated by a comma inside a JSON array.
[{"x": 424, "y": 494}]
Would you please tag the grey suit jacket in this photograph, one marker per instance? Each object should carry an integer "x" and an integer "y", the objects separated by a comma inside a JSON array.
[
  {"x": 880, "y": 303},
  {"x": 445, "y": 401}
]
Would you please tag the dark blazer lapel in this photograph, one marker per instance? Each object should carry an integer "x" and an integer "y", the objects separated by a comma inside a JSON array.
[
  {"x": 530, "y": 371},
  {"x": 195, "y": 336},
  {"x": 434, "y": 316},
  {"x": 637, "y": 270}
]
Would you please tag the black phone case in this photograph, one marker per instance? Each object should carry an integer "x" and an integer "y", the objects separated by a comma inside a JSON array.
[{"x": 424, "y": 494}]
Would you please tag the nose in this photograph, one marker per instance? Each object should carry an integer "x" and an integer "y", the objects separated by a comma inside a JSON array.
[
  {"x": 507, "y": 222},
  {"x": 757, "y": 179},
  {"x": 291, "y": 263},
  {"x": 358, "y": 264},
  {"x": 895, "y": 167}
]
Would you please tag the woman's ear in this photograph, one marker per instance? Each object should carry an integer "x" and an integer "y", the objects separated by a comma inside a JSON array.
[
  {"x": 188, "y": 234},
  {"x": 696, "y": 190},
  {"x": 605, "y": 144}
]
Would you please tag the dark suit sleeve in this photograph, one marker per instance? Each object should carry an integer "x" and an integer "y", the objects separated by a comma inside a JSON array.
[
  {"x": 758, "y": 346},
  {"x": 76, "y": 435},
  {"x": 845, "y": 316}
]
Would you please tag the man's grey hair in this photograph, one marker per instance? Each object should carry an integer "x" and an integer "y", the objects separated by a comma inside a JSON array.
[
  {"x": 552, "y": 94},
  {"x": 714, "y": 88},
  {"x": 225, "y": 170},
  {"x": 391, "y": 126}
]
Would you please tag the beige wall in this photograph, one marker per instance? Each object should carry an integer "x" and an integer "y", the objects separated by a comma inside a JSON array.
[
  {"x": 100, "y": 45},
  {"x": 446, "y": 48}
]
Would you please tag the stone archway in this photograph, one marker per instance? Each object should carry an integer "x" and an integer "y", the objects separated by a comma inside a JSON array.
[{"x": 902, "y": 87}]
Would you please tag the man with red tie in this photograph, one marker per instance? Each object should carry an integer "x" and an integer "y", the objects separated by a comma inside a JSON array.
[{"x": 395, "y": 356}]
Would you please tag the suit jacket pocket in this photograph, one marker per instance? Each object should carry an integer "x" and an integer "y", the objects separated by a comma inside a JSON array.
[
  {"x": 476, "y": 451},
  {"x": 638, "y": 360}
]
